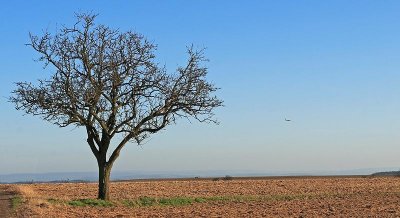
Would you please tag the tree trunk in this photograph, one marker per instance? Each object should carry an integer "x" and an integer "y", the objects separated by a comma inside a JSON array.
[{"x": 104, "y": 181}]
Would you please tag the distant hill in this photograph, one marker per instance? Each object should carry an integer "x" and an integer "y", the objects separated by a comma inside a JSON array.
[
  {"x": 139, "y": 174},
  {"x": 389, "y": 173}
]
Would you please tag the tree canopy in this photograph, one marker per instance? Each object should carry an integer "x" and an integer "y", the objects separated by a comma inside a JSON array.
[{"x": 109, "y": 82}]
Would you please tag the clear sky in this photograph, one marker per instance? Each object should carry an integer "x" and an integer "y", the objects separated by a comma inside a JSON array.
[{"x": 333, "y": 67}]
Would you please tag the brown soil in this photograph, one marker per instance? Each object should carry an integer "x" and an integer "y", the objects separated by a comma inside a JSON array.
[
  {"x": 278, "y": 197},
  {"x": 6, "y": 194}
]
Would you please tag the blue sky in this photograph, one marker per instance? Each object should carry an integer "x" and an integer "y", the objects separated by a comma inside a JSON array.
[{"x": 331, "y": 66}]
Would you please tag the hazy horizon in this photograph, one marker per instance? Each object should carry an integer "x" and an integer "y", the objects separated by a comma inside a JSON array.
[
  {"x": 331, "y": 67},
  {"x": 128, "y": 175}
]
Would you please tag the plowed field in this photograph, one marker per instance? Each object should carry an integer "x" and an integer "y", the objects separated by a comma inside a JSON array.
[{"x": 267, "y": 197}]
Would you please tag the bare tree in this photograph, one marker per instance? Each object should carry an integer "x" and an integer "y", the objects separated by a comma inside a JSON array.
[{"x": 108, "y": 82}]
